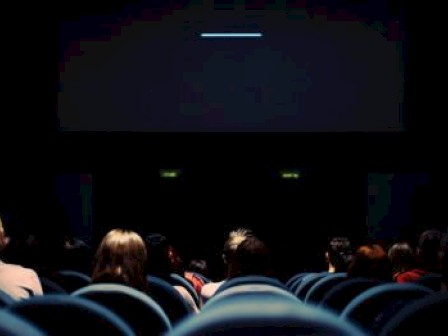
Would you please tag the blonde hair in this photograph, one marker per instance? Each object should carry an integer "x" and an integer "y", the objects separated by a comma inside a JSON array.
[
  {"x": 121, "y": 257},
  {"x": 235, "y": 238}
]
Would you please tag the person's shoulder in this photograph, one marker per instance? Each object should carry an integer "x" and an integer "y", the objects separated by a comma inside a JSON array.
[
  {"x": 11, "y": 267},
  {"x": 411, "y": 275},
  {"x": 214, "y": 284},
  {"x": 17, "y": 269},
  {"x": 210, "y": 288}
]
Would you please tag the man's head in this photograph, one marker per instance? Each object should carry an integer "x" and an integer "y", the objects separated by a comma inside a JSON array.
[
  {"x": 235, "y": 238},
  {"x": 252, "y": 257},
  {"x": 338, "y": 254}
]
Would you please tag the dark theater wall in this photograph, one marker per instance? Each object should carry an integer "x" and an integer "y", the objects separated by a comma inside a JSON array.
[
  {"x": 295, "y": 217},
  {"x": 230, "y": 179},
  {"x": 226, "y": 181}
]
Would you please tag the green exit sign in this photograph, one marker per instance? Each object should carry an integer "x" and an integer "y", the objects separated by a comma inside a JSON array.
[
  {"x": 290, "y": 174},
  {"x": 169, "y": 173}
]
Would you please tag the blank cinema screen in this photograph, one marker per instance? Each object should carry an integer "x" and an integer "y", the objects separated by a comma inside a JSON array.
[{"x": 206, "y": 68}]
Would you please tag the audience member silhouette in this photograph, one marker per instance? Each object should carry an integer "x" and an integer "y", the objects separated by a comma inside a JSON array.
[
  {"x": 402, "y": 258},
  {"x": 198, "y": 266},
  {"x": 427, "y": 257},
  {"x": 252, "y": 257},
  {"x": 234, "y": 239},
  {"x": 197, "y": 273},
  {"x": 122, "y": 258},
  {"x": 77, "y": 254},
  {"x": 339, "y": 254},
  {"x": 15, "y": 280},
  {"x": 370, "y": 261},
  {"x": 163, "y": 260}
]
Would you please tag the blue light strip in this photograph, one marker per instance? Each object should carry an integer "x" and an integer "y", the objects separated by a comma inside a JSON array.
[{"x": 231, "y": 35}]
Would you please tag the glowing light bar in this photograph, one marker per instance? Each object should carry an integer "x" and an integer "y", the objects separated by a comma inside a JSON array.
[
  {"x": 231, "y": 35},
  {"x": 169, "y": 173},
  {"x": 290, "y": 174}
]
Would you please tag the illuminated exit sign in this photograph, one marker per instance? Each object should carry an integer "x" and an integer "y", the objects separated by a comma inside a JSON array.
[
  {"x": 290, "y": 174},
  {"x": 170, "y": 173}
]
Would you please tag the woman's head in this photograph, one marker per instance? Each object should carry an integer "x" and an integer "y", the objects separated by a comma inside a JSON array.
[
  {"x": 370, "y": 261},
  {"x": 121, "y": 257},
  {"x": 401, "y": 256}
]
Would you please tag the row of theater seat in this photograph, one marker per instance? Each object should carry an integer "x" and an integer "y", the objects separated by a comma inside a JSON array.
[
  {"x": 253, "y": 305},
  {"x": 106, "y": 309},
  {"x": 69, "y": 282},
  {"x": 371, "y": 304}
]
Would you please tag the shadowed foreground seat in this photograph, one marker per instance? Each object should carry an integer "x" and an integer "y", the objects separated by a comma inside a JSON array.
[
  {"x": 71, "y": 280},
  {"x": 307, "y": 282},
  {"x": 431, "y": 280},
  {"x": 250, "y": 290},
  {"x": 138, "y": 310},
  {"x": 262, "y": 316},
  {"x": 296, "y": 280},
  {"x": 251, "y": 280},
  {"x": 176, "y": 279},
  {"x": 5, "y": 299},
  {"x": 12, "y": 325},
  {"x": 69, "y": 315},
  {"x": 174, "y": 305},
  {"x": 51, "y": 287},
  {"x": 424, "y": 316},
  {"x": 340, "y": 295},
  {"x": 373, "y": 307},
  {"x": 323, "y": 285}
]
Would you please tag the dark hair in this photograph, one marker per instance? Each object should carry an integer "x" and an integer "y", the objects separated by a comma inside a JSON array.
[
  {"x": 252, "y": 257},
  {"x": 339, "y": 253},
  {"x": 402, "y": 257},
  {"x": 198, "y": 265},
  {"x": 163, "y": 258},
  {"x": 428, "y": 250}
]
